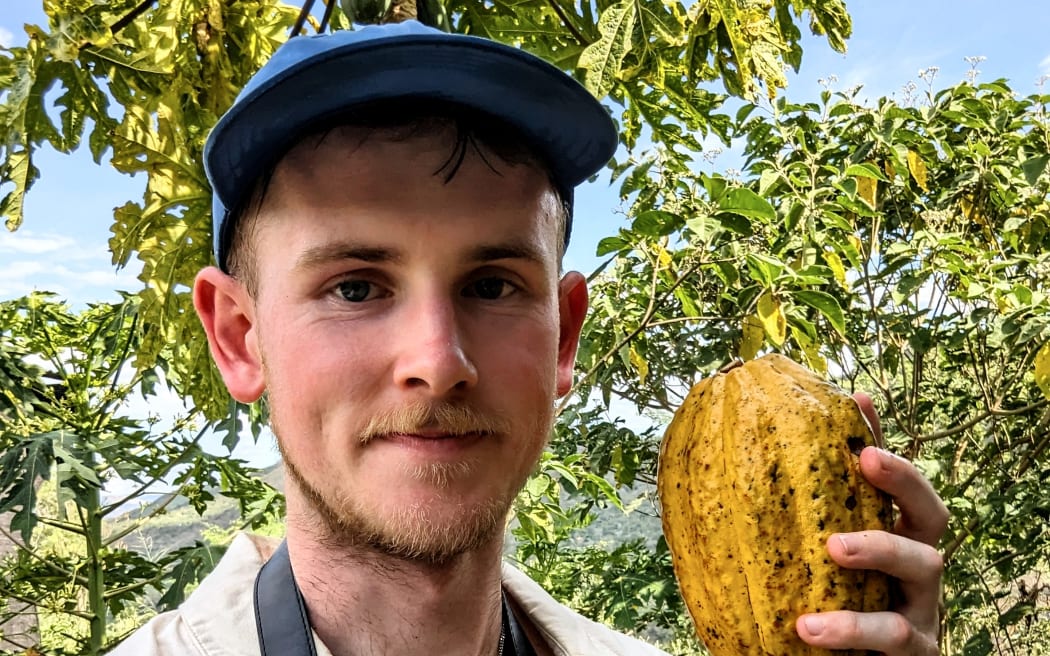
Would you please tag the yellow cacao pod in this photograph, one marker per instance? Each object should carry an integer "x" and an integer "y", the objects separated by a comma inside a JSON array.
[{"x": 757, "y": 470}]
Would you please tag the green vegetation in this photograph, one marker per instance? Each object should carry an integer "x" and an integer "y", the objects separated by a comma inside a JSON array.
[{"x": 900, "y": 247}]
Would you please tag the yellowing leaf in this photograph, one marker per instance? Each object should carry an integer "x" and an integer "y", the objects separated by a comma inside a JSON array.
[
  {"x": 753, "y": 337},
  {"x": 972, "y": 212},
  {"x": 866, "y": 189},
  {"x": 639, "y": 363},
  {"x": 663, "y": 257},
  {"x": 891, "y": 172},
  {"x": 918, "y": 169},
  {"x": 811, "y": 351},
  {"x": 837, "y": 268},
  {"x": 1042, "y": 369},
  {"x": 772, "y": 317}
]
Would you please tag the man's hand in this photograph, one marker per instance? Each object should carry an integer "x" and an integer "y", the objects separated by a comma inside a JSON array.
[{"x": 907, "y": 554}]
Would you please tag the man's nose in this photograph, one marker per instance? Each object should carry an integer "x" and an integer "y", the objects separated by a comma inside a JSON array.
[{"x": 433, "y": 357}]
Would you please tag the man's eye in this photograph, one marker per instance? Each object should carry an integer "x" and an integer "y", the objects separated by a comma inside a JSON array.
[
  {"x": 357, "y": 291},
  {"x": 488, "y": 288}
]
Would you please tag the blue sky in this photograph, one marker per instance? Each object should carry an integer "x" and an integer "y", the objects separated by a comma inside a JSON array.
[{"x": 62, "y": 245}]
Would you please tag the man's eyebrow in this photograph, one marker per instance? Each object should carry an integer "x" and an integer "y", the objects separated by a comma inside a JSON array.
[
  {"x": 321, "y": 255},
  {"x": 506, "y": 251}
]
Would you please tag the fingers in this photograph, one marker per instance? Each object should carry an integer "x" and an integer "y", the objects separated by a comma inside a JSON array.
[
  {"x": 867, "y": 408},
  {"x": 923, "y": 516},
  {"x": 887, "y": 633},
  {"x": 916, "y": 566}
]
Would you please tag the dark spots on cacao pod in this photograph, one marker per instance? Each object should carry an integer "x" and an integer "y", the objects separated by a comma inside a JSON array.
[
  {"x": 813, "y": 467},
  {"x": 678, "y": 485},
  {"x": 851, "y": 502},
  {"x": 820, "y": 524},
  {"x": 856, "y": 444},
  {"x": 791, "y": 491},
  {"x": 779, "y": 564},
  {"x": 783, "y": 503},
  {"x": 774, "y": 472},
  {"x": 815, "y": 495}
]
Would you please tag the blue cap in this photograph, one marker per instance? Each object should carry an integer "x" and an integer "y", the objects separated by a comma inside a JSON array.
[{"x": 310, "y": 80}]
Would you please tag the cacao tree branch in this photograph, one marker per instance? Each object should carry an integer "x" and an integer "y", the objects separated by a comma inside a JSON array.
[
  {"x": 1026, "y": 463},
  {"x": 960, "y": 538},
  {"x": 642, "y": 325},
  {"x": 991, "y": 412},
  {"x": 674, "y": 320}
]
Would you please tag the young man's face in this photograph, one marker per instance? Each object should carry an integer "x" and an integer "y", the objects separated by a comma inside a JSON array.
[{"x": 411, "y": 334}]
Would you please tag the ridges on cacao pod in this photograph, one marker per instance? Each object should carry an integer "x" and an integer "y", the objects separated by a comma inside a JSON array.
[{"x": 758, "y": 468}]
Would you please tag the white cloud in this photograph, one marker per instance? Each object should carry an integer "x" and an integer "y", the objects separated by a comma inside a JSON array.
[
  {"x": 28, "y": 243},
  {"x": 1044, "y": 65},
  {"x": 6, "y": 38},
  {"x": 91, "y": 281}
]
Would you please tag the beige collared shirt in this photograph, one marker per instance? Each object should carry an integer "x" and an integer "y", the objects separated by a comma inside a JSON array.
[{"x": 218, "y": 619}]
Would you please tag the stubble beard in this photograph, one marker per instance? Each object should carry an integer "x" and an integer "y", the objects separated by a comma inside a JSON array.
[{"x": 412, "y": 532}]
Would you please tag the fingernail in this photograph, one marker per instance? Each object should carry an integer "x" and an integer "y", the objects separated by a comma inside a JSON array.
[
  {"x": 814, "y": 624},
  {"x": 846, "y": 544}
]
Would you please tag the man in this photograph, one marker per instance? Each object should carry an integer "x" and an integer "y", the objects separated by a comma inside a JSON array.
[{"x": 391, "y": 207}]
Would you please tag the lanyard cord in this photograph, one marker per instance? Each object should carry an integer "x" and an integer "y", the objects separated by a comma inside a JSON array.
[{"x": 283, "y": 624}]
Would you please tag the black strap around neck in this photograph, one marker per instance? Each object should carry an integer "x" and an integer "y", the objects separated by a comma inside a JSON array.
[{"x": 284, "y": 625}]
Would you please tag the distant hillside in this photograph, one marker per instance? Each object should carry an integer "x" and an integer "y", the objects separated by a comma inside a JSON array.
[{"x": 180, "y": 525}]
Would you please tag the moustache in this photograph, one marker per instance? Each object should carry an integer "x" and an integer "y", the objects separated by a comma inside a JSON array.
[{"x": 448, "y": 418}]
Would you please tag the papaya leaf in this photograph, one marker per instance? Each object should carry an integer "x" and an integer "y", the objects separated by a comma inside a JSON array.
[
  {"x": 23, "y": 465},
  {"x": 603, "y": 59},
  {"x": 189, "y": 566}
]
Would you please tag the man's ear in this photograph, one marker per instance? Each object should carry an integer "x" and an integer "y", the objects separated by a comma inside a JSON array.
[
  {"x": 228, "y": 314},
  {"x": 572, "y": 306}
]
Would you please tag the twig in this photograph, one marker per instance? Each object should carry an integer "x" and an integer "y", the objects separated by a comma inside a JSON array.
[
  {"x": 329, "y": 6},
  {"x": 300, "y": 21},
  {"x": 580, "y": 38},
  {"x": 131, "y": 16},
  {"x": 642, "y": 325}
]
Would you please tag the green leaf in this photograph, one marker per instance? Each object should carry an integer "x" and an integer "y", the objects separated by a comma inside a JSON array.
[
  {"x": 611, "y": 245},
  {"x": 865, "y": 170},
  {"x": 602, "y": 61},
  {"x": 22, "y": 465},
  {"x": 189, "y": 566},
  {"x": 824, "y": 303},
  {"x": 764, "y": 269},
  {"x": 1034, "y": 167},
  {"x": 748, "y": 204}
]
